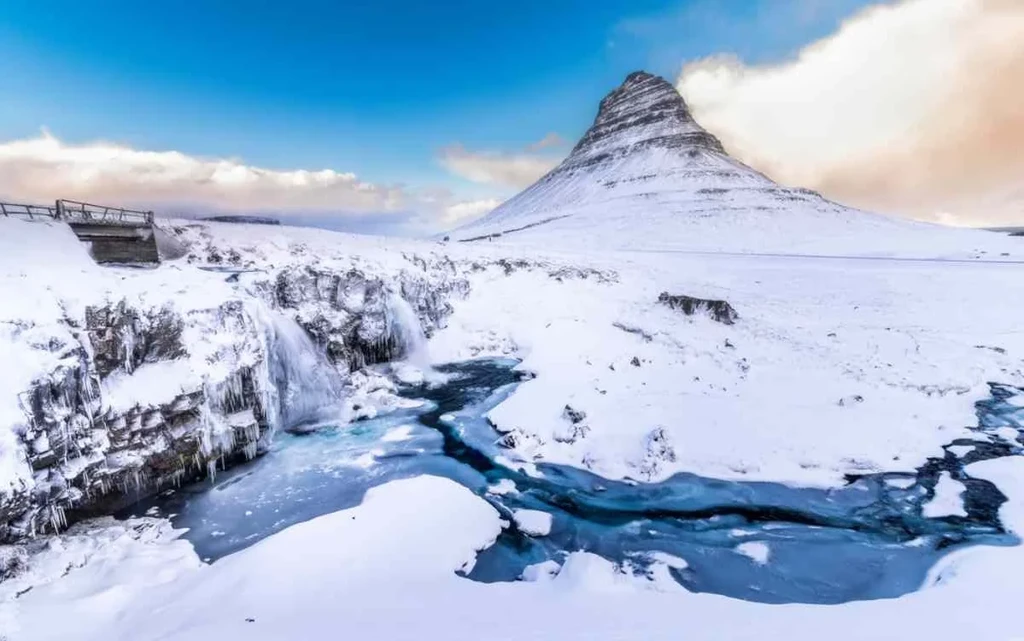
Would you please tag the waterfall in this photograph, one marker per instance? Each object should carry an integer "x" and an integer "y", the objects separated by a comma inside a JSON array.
[
  {"x": 404, "y": 326},
  {"x": 307, "y": 384}
]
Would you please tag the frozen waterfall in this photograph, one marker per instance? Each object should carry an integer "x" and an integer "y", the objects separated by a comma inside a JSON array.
[
  {"x": 307, "y": 384},
  {"x": 404, "y": 326}
]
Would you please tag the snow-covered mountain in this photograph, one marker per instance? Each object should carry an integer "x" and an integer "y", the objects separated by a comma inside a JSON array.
[{"x": 646, "y": 175}]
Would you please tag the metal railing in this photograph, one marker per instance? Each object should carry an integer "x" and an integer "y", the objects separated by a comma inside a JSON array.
[
  {"x": 79, "y": 212},
  {"x": 31, "y": 211}
]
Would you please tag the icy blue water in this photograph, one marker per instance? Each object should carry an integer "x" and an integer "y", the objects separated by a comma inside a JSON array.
[{"x": 865, "y": 540}]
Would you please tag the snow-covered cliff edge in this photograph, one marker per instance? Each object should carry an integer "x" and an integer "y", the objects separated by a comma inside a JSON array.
[{"x": 120, "y": 382}]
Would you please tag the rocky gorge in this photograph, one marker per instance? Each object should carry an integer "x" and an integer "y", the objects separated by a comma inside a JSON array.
[{"x": 141, "y": 397}]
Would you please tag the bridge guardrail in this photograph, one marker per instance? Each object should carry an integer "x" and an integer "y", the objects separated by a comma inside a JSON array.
[
  {"x": 31, "y": 211},
  {"x": 75, "y": 211}
]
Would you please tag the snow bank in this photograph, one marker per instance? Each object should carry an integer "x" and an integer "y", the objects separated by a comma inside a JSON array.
[
  {"x": 948, "y": 499},
  {"x": 756, "y": 551},
  {"x": 328, "y": 557},
  {"x": 149, "y": 385},
  {"x": 533, "y": 522}
]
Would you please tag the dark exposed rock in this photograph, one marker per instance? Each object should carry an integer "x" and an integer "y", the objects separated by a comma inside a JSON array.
[
  {"x": 574, "y": 433},
  {"x": 997, "y": 350},
  {"x": 647, "y": 338},
  {"x": 659, "y": 450},
  {"x": 718, "y": 310},
  {"x": 573, "y": 415},
  {"x": 243, "y": 219},
  {"x": 126, "y": 337},
  {"x": 577, "y": 427}
]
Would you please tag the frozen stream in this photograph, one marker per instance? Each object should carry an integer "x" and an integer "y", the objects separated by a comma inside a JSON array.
[{"x": 876, "y": 537}]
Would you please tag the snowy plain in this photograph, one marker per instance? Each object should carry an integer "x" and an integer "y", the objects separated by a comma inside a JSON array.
[{"x": 836, "y": 365}]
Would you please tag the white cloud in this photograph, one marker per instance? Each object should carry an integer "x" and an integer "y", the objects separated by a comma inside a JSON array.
[
  {"x": 44, "y": 168},
  {"x": 463, "y": 212},
  {"x": 516, "y": 170},
  {"x": 550, "y": 140},
  {"x": 912, "y": 107}
]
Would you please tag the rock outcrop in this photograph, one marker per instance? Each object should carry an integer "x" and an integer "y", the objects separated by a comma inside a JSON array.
[
  {"x": 351, "y": 313},
  {"x": 719, "y": 310}
]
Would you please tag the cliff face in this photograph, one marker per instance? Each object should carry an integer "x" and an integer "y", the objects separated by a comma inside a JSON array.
[
  {"x": 124, "y": 414},
  {"x": 137, "y": 397},
  {"x": 351, "y": 314}
]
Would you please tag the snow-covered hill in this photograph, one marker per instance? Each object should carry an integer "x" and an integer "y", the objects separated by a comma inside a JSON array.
[{"x": 647, "y": 176}]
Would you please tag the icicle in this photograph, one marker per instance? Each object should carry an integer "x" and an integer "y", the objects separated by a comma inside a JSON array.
[
  {"x": 128, "y": 345},
  {"x": 57, "y": 519},
  {"x": 177, "y": 476}
]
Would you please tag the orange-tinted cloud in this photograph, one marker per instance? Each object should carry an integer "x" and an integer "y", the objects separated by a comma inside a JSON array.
[{"x": 915, "y": 107}]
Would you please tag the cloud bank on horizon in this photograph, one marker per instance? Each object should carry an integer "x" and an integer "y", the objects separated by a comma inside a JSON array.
[
  {"x": 39, "y": 169},
  {"x": 911, "y": 108},
  {"x": 517, "y": 170}
]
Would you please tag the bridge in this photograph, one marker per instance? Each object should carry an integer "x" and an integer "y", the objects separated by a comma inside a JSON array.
[{"x": 116, "y": 235}]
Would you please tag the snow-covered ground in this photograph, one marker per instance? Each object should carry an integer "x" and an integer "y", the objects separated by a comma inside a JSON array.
[
  {"x": 861, "y": 345},
  {"x": 834, "y": 366}
]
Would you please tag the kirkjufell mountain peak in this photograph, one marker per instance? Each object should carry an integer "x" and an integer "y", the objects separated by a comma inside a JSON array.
[
  {"x": 646, "y": 173},
  {"x": 647, "y": 109}
]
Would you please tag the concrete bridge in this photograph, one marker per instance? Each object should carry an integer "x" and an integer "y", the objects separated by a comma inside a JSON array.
[{"x": 115, "y": 235}]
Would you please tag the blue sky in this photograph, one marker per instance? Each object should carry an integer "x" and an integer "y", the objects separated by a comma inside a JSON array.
[{"x": 375, "y": 87}]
